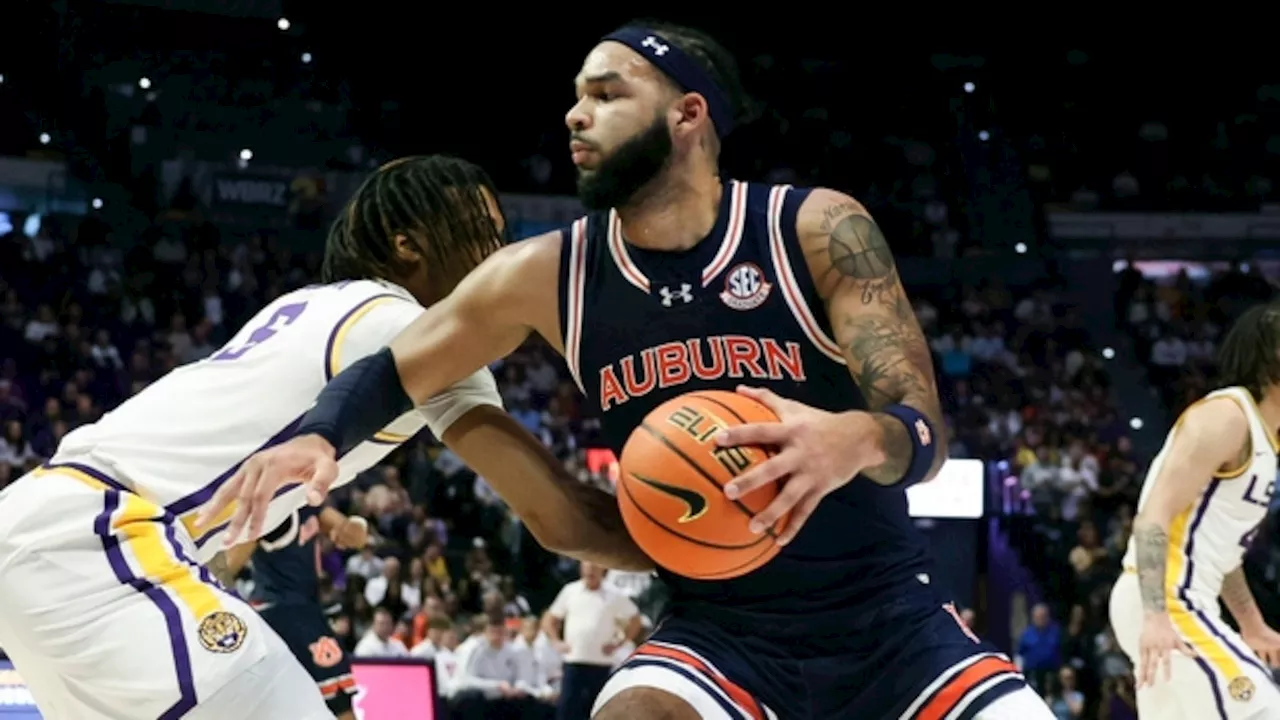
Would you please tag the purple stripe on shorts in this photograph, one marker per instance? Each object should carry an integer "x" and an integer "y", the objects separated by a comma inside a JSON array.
[
  {"x": 1213, "y": 683},
  {"x": 172, "y": 618}
]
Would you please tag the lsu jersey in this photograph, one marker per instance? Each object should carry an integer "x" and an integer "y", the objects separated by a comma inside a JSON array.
[
  {"x": 181, "y": 438},
  {"x": 1209, "y": 538}
]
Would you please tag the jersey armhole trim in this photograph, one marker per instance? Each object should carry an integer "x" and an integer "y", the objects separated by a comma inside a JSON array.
[
  {"x": 333, "y": 348},
  {"x": 790, "y": 287},
  {"x": 333, "y": 352},
  {"x": 575, "y": 280}
]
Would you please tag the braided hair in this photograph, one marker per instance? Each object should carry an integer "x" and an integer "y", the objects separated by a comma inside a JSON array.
[
  {"x": 1250, "y": 353},
  {"x": 436, "y": 201}
]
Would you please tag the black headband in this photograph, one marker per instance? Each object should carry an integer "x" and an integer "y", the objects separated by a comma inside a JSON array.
[{"x": 681, "y": 68}]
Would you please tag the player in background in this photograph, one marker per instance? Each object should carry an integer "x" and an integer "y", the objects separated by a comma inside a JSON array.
[
  {"x": 679, "y": 280},
  {"x": 107, "y": 606},
  {"x": 286, "y": 593},
  {"x": 1204, "y": 498}
]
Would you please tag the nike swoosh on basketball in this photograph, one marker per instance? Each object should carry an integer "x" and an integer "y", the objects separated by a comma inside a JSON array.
[{"x": 697, "y": 504}]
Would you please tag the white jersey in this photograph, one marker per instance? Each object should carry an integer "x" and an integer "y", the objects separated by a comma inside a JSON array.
[
  {"x": 1209, "y": 539},
  {"x": 178, "y": 440}
]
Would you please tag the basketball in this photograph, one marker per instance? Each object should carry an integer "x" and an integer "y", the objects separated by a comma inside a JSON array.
[{"x": 671, "y": 487}]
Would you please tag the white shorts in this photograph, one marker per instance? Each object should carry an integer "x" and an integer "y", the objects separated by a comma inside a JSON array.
[
  {"x": 1225, "y": 681},
  {"x": 104, "y": 614}
]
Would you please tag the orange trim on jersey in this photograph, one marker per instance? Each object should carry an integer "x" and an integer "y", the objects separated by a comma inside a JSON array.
[
  {"x": 733, "y": 236},
  {"x": 743, "y": 699},
  {"x": 957, "y": 688},
  {"x": 333, "y": 687},
  {"x": 576, "y": 296},
  {"x": 787, "y": 280},
  {"x": 618, "y": 248}
]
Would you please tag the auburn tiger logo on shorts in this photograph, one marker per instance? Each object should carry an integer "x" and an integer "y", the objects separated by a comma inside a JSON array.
[
  {"x": 325, "y": 652},
  {"x": 222, "y": 632}
]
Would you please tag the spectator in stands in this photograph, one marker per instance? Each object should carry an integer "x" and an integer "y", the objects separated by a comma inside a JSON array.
[
  {"x": 1040, "y": 647},
  {"x": 548, "y": 665},
  {"x": 380, "y": 640},
  {"x": 495, "y": 679},
  {"x": 1065, "y": 699},
  {"x": 366, "y": 564},
  {"x": 586, "y": 624},
  {"x": 446, "y": 659}
]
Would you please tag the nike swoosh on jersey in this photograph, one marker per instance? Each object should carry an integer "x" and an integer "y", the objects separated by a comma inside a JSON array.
[{"x": 697, "y": 504}]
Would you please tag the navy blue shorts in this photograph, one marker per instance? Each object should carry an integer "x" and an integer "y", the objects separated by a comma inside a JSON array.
[
  {"x": 305, "y": 630},
  {"x": 908, "y": 661}
]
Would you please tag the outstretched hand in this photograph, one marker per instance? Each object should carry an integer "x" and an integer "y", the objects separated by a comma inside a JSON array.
[
  {"x": 307, "y": 459},
  {"x": 818, "y": 452}
]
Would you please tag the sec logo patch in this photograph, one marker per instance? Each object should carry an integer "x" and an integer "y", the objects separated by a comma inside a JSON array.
[
  {"x": 222, "y": 632},
  {"x": 745, "y": 287}
]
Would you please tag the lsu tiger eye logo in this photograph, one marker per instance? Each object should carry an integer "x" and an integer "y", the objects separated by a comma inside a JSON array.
[
  {"x": 222, "y": 632},
  {"x": 1241, "y": 689}
]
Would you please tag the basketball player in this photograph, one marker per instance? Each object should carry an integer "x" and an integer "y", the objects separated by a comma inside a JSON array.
[
  {"x": 286, "y": 593},
  {"x": 680, "y": 281},
  {"x": 1205, "y": 496},
  {"x": 105, "y": 606}
]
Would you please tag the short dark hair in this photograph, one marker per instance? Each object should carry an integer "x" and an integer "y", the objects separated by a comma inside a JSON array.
[
  {"x": 712, "y": 58},
  {"x": 1250, "y": 353},
  {"x": 435, "y": 200}
]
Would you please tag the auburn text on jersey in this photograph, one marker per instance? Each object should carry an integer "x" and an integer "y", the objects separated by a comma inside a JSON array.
[{"x": 672, "y": 364}]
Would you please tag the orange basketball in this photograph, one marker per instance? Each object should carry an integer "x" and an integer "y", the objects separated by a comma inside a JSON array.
[{"x": 671, "y": 487}]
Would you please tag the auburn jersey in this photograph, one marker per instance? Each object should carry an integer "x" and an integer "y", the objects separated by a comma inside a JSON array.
[{"x": 642, "y": 327}]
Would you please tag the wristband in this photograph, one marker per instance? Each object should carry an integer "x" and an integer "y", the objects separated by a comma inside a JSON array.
[
  {"x": 923, "y": 447},
  {"x": 357, "y": 403}
]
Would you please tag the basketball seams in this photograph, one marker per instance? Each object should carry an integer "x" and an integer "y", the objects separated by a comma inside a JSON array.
[
  {"x": 729, "y": 409},
  {"x": 631, "y": 498},
  {"x": 700, "y": 470}
]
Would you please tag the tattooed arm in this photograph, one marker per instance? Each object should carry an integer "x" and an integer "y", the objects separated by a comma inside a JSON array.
[
  {"x": 1209, "y": 437},
  {"x": 872, "y": 321}
]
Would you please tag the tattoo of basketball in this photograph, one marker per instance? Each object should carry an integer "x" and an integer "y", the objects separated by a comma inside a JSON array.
[
  {"x": 1151, "y": 544},
  {"x": 858, "y": 249}
]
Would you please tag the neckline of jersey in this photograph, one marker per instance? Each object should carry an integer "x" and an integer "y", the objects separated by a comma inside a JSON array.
[{"x": 729, "y": 227}]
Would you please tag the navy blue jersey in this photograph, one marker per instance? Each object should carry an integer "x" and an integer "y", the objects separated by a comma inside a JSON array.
[
  {"x": 286, "y": 562},
  {"x": 740, "y": 307}
]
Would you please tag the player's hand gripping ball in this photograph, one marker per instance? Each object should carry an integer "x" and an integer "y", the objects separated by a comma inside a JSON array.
[{"x": 671, "y": 487}]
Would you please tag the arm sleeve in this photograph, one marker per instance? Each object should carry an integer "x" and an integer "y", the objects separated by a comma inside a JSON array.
[{"x": 385, "y": 319}]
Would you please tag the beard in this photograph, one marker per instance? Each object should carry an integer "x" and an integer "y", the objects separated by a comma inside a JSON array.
[{"x": 625, "y": 172}]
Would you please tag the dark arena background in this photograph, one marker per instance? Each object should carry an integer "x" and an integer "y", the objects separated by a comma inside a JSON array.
[{"x": 1077, "y": 220}]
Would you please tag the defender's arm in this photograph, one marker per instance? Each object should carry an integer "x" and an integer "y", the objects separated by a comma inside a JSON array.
[
  {"x": 511, "y": 294},
  {"x": 873, "y": 323},
  {"x": 1208, "y": 437},
  {"x": 564, "y": 514}
]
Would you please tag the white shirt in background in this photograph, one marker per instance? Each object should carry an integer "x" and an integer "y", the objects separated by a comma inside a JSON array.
[
  {"x": 446, "y": 670},
  {"x": 483, "y": 667},
  {"x": 373, "y": 646},
  {"x": 592, "y": 619}
]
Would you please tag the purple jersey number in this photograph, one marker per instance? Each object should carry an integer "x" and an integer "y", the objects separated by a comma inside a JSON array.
[{"x": 279, "y": 320}]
